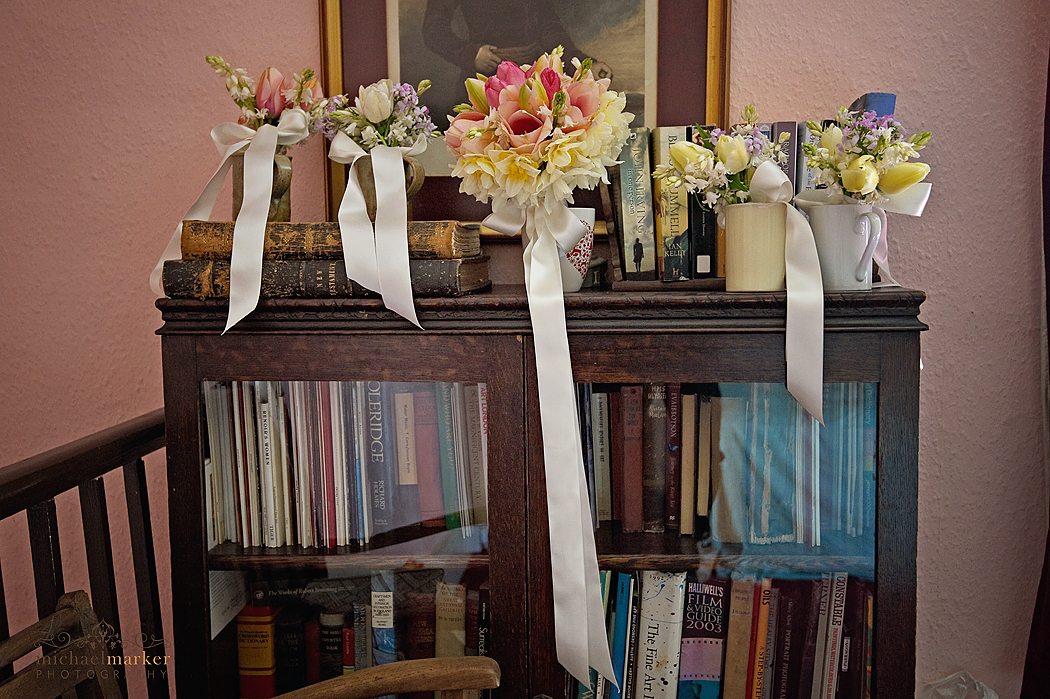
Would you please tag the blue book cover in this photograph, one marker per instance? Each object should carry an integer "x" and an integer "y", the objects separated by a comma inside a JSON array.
[
  {"x": 624, "y": 584},
  {"x": 882, "y": 103}
]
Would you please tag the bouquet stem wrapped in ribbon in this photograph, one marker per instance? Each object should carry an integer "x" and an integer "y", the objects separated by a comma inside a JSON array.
[
  {"x": 530, "y": 135},
  {"x": 280, "y": 113}
]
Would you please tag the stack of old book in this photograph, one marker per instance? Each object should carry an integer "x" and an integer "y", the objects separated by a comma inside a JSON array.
[{"x": 305, "y": 260}]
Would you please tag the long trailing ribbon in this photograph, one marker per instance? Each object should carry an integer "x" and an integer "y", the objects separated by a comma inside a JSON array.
[
  {"x": 579, "y": 622},
  {"x": 911, "y": 201},
  {"x": 804, "y": 329},
  {"x": 376, "y": 256},
  {"x": 249, "y": 232}
]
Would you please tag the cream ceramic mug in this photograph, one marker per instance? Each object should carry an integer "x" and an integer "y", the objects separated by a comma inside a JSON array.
[{"x": 846, "y": 236}]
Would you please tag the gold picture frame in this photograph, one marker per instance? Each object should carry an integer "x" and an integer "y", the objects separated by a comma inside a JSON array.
[{"x": 355, "y": 35}]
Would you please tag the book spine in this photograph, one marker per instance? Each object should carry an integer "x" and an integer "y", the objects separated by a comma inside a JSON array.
[
  {"x": 428, "y": 456},
  {"x": 654, "y": 457},
  {"x": 703, "y": 239},
  {"x": 620, "y": 625},
  {"x": 789, "y": 146},
  {"x": 771, "y": 643},
  {"x": 362, "y": 636},
  {"x": 759, "y": 638},
  {"x": 289, "y": 651},
  {"x": 475, "y": 452},
  {"x": 330, "y": 626},
  {"x": 687, "y": 467},
  {"x": 210, "y": 279},
  {"x": 729, "y": 471},
  {"x": 738, "y": 639},
  {"x": 484, "y": 620},
  {"x": 854, "y": 633},
  {"x": 633, "y": 635},
  {"x": 401, "y": 398},
  {"x": 660, "y": 639},
  {"x": 636, "y": 208},
  {"x": 450, "y": 620},
  {"x": 256, "y": 659},
  {"x": 600, "y": 425},
  {"x": 673, "y": 458},
  {"x": 213, "y": 240},
  {"x": 703, "y": 637},
  {"x": 381, "y": 467},
  {"x": 820, "y": 642},
  {"x": 312, "y": 649},
  {"x": 446, "y": 429},
  {"x": 632, "y": 457},
  {"x": 616, "y": 464},
  {"x": 833, "y": 649},
  {"x": 804, "y": 175},
  {"x": 672, "y": 210},
  {"x": 703, "y": 455},
  {"x": 384, "y": 636}
]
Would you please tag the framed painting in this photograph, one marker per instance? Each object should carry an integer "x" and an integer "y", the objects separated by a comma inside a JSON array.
[{"x": 670, "y": 57}]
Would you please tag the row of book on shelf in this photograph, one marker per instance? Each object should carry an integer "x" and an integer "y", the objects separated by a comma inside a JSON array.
[
  {"x": 663, "y": 232},
  {"x": 743, "y": 463},
  {"x": 297, "y": 633},
  {"x": 336, "y": 463},
  {"x": 678, "y": 635}
]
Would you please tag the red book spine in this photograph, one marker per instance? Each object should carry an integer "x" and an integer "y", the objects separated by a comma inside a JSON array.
[
  {"x": 631, "y": 407},
  {"x": 428, "y": 458},
  {"x": 312, "y": 650},
  {"x": 256, "y": 658},
  {"x": 327, "y": 464}
]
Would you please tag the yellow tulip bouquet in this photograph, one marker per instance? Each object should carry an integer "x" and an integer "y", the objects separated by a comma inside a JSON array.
[
  {"x": 865, "y": 156},
  {"x": 716, "y": 167}
]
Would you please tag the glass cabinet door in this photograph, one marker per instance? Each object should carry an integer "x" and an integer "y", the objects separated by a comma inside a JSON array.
[
  {"x": 347, "y": 526},
  {"x": 736, "y": 537}
]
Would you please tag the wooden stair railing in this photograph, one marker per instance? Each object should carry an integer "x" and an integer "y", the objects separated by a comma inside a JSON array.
[{"x": 32, "y": 485}]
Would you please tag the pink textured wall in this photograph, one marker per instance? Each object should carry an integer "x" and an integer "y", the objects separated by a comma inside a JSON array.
[
  {"x": 973, "y": 73},
  {"x": 106, "y": 145}
]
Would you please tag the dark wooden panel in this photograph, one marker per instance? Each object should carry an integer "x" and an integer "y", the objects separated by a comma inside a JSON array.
[
  {"x": 144, "y": 560},
  {"x": 46, "y": 555},
  {"x": 897, "y": 494},
  {"x": 186, "y": 516}
]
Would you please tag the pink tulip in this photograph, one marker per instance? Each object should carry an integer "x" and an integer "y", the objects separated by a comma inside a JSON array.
[
  {"x": 456, "y": 133},
  {"x": 585, "y": 95},
  {"x": 510, "y": 73},
  {"x": 269, "y": 95},
  {"x": 493, "y": 87},
  {"x": 551, "y": 82},
  {"x": 526, "y": 131}
]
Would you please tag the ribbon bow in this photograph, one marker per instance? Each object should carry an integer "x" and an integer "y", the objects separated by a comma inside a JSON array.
[
  {"x": 376, "y": 256},
  {"x": 911, "y": 201},
  {"x": 804, "y": 330},
  {"x": 249, "y": 232},
  {"x": 579, "y": 621}
]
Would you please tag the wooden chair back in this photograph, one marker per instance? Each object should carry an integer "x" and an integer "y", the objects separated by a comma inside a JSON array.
[{"x": 75, "y": 655}]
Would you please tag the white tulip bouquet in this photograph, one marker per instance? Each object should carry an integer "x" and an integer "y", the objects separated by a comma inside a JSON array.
[
  {"x": 384, "y": 113},
  {"x": 717, "y": 165}
]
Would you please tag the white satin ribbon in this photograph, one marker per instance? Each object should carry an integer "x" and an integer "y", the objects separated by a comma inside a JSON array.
[
  {"x": 579, "y": 621},
  {"x": 249, "y": 232},
  {"x": 911, "y": 201},
  {"x": 804, "y": 327},
  {"x": 376, "y": 256}
]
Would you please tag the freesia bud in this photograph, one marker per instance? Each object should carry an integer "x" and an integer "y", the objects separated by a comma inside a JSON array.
[
  {"x": 424, "y": 85},
  {"x": 902, "y": 176},
  {"x": 684, "y": 153},
  {"x": 860, "y": 177},
  {"x": 732, "y": 151},
  {"x": 270, "y": 93},
  {"x": 832, "y": 139},
  {"x": 374, "y": 102}
]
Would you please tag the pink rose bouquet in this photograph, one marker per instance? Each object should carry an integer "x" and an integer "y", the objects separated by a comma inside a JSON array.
[
  {"x": 263, "y": 101},
  {"x": 532, "y": 133}
]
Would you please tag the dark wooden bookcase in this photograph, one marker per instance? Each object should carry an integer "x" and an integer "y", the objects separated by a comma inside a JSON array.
[{"x": 615, "y": 337}]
